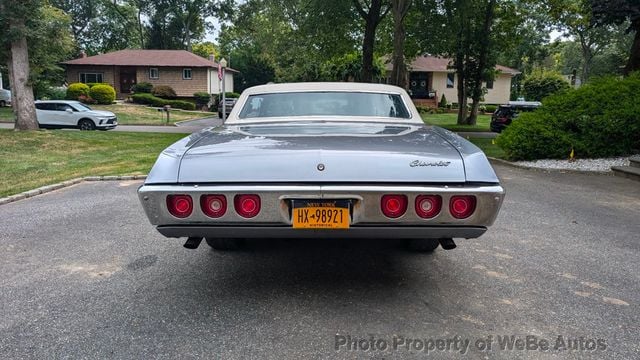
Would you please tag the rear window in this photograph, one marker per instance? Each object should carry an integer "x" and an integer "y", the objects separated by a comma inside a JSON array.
[{"x": 291, "y": 104}]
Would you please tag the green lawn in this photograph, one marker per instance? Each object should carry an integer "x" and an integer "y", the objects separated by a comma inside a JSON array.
[
  {"x": 449, "y": 121},
  {"x": 32, "y": 159},
  {"x": 489, "y": 148},
  {"x": 6, "y": 115},
  {"x": 129, "y": 114}
]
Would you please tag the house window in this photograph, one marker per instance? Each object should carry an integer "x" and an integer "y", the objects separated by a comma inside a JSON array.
[
  {"x": 154, "y": 73},
  {"x": 186, "y": 74},
  {"x": 90, "y": 78},
  {"x": 489, "y": 84},
  {"x": 451, "y": 77}
]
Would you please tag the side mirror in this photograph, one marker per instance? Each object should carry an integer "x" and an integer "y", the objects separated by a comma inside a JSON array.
[{"x": 69, "y": 111}]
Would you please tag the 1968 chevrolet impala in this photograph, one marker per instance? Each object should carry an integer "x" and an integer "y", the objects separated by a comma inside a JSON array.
[{"x": 329, "y": 160}]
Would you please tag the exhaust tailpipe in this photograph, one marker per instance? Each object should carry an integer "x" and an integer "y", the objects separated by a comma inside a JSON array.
[
  {"x": 446, "y": 244},
  {"x": 193, "y": 243}
]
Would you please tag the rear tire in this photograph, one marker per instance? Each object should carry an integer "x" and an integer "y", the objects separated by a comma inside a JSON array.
[
  {"x": 223, "y": 244},
  {"x": 220, "y": 114},
  {"x": 86, "y": 125},
  {"x": 423, "y": 245},
  {"x": 3, "y": 103}
]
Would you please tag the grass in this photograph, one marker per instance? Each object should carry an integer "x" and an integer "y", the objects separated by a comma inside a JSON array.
[
  {"x": 489, "y": 148},
  {"x": 449, "y": 122},
  {"x": 31, "y": 159},
  {"x": 129, "y": 114}
]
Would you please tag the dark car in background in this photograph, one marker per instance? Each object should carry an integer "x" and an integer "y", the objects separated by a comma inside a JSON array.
[
  {"x": 230, "y": 103},
  {"x": 505, "y": 114}
]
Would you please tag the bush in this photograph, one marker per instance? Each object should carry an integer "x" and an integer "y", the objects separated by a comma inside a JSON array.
[
  {"x": 163, "y": 91},
  {"x": 542, "y": 84},
  {"x": 90, "y": 85},
  {"x": 103, "y": 94},
  {"x": 143, "y": 87},
  {"x": 76, "y": 89},
  {"x": 600, "y": 119},
  {"x": 148, "y": 99},
  {"x": 54, "y": 93},
  {"x": 491, "y": 108},
  {"x": 443, "y": 102},
  {"x": 202, "y": 97},
  {"x": 424, "y": 109}
]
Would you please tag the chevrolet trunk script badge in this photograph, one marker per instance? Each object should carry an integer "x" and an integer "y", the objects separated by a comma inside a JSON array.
[{"x": 418, "y": 163}]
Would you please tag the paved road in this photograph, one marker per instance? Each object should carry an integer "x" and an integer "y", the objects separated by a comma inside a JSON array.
[{"x": 83, "y": 275}]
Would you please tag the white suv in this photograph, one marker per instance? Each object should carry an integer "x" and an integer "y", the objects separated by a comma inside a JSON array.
[
  {"x": 64, "y": 113},
  {"x": 5, "y": 97}
]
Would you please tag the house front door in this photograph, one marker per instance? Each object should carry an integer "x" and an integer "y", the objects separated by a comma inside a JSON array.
[{"x": 127, "y": 79}]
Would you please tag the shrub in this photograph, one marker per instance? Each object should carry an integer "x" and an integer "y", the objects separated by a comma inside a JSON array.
[
  {"x": 491, "y": 108},
  {"x": 423, "y": 109},
  {"x": 90, "y": 85},
  {"x": 163, "y": 91},
  {"x": 76, "y": 89},
  {"x": 54, "y": 93},
  {"x": 443, "y": 102},
  {"x": 542, "y": 84},
  {"x": 600, "y": 119},
  {"x": 202, "y": 97},
  {"x": 143, "y": 87},
  {"x": 103, "y": 94},
  {"x": 148, "y": 99},
  {"x": 482, "y": 108}
]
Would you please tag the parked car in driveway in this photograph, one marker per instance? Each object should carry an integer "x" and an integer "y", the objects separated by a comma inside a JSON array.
[
  {"x": 5, "y": 97},
  {"x": 505, "y": 114},
  {"x": 230, "y": 103},
  {"x": 327, "y": 160},
  {"x": 73, "y": 114}
]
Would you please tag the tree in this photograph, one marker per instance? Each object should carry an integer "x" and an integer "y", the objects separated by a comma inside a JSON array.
[
  {"x": 541, "y": 84},
  {"x": 618, "y": 12},
  {"x": 372, "y": 12},
  {"x": 399, "y": 9},
  {"x": 15, "y": 20},
  {"x": 205, "y": 49}
]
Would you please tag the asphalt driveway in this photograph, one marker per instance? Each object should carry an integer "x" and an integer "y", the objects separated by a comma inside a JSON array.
[{"x": 83, "y": 275}]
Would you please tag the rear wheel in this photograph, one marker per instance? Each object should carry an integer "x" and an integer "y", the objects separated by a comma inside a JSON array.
[
  {"x": 220, "y": 114},
  {"x": 423, "y": 245},
  {"x": 223, "y": 244},
  {"x": 3, "y": 103},
  {"x": 85, "y": 124}
]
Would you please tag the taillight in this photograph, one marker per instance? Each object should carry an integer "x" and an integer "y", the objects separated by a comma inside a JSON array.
[
  {"x": 180, "y": 206},
  {"x": 247, "y": 206},
  {"x": 393, "y": 206},
  {"x": 428, "y": 206},
  {"x": 462, "y": 206},
  {"x": 213, "y": 205}
]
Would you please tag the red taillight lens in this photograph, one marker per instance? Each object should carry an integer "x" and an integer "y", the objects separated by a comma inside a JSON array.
[
  {"x": 428, "y": 206},
  {"x": 213, "y": 206},
  {"x": 393, "y": 206},
  {"x": 462, "y": 206},
  {"x": 180, "y": 206},
  {"x": 247, "y": 206}
]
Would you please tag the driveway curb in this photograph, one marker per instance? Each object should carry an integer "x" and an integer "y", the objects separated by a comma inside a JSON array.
[
  {"x": 49, "y": 188},
  {"x": 518, "y": 166}
]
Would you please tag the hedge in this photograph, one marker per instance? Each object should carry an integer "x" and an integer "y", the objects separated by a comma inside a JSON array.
[
  {"x": 148, "y": 99},
  {"x": 540, "y": 85},
  {"x": 76, "y": 89},
  {"x": 600, "y": 119},
  {"x": 143, "y": 87},
  {"x": 103, "y": 94}
]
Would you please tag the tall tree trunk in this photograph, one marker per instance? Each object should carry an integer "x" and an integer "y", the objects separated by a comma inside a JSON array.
[
  {"x": 140, "y": 27},
  {"x": 460, "y": 60},
  {"x": 372, "y": 18},
  {"x": 483, "y": 58},
  {"x": 399, "y": 72},
  {"x": 22, "y": 92},
  {"x": 634, "y": 57}
]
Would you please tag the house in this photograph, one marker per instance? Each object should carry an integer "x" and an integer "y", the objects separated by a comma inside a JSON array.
[
  {"x": 185, "y": 72},
  {"x": 430, "y": 77}
]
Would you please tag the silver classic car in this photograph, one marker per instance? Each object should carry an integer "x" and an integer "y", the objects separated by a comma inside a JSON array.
[{"x": 327, "y": 160}]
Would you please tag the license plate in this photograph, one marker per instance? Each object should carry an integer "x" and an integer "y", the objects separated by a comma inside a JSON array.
[{"x": 320, "y": 214}]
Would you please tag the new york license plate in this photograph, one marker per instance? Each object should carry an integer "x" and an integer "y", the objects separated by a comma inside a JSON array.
[{"x": 320, "y": 214}]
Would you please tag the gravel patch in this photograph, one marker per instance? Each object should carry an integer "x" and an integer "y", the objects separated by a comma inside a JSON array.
[{"x": 599, "y": 165}]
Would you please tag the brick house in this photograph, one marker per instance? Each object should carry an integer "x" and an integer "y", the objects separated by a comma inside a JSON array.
[
  {"x": 430, "y": 77},
  {"x": 185, "y": 72}
]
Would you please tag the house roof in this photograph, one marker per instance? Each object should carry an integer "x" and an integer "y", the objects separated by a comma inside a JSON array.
[
  {"x": 160, "y": 58},
  {"x": 438, "y": 64}
]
